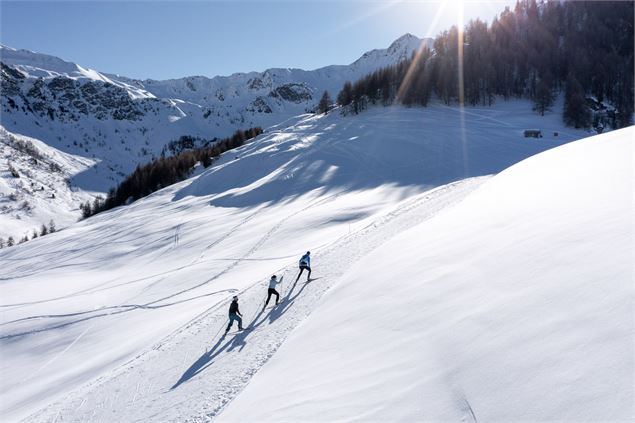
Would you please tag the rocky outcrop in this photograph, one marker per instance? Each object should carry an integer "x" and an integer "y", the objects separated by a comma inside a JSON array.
[
  {"x": 295, "y": 93},
  {"x": 259, "y": 105},
  {"x": 11, "y": 80},
  {"x": 65, "y": 98}
]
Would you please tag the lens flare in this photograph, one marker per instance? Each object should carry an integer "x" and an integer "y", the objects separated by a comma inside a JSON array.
[
  {"x": 461, "y": 83},
  {"x": 405, "y": 84}
]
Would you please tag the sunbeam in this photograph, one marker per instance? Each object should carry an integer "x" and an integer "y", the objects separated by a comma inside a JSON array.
[
  {"x": 461, "y": 81},
  {"x": 361, "y": 18},
  {"x": 408, "y": 78}
]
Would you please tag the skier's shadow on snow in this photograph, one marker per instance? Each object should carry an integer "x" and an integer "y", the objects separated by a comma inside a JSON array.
[
  {"x": 239, "y": 340},
  {"x": 207, "y": 359},
  {"x": 287, "y": 301}
]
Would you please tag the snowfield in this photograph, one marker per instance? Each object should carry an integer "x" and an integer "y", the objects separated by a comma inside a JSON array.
[
  {"x": 113, "y": 123},
  {"x": 515, "y": 305},
  {"x": 426, "y": 300},
  {"x": 41, "y": 193}
]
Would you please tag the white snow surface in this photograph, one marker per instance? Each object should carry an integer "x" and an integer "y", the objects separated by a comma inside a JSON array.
[
  {"x": 515, "y": 305},
  {"x": 119, "y": 317},
  {"x": 45, "y": 66},
  {"x": 117, "y": 123},
  {"x": 41, "y": 193}
]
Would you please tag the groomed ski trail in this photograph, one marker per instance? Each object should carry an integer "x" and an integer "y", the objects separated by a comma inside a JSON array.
[{"x": 192, "y": 374}]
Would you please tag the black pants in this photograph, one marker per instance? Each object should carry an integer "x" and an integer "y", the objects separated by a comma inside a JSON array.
[
  {"x": 302, "y": 270},
  {"x": 269, "y": 293}
]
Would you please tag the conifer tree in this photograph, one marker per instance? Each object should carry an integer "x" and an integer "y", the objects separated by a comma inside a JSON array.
[
  {"x": 529, "y": 51},
  {"x": 86, "y": 209},
  {"x": 543, "y": 98},
  {"x": 576, "y": 113},
  {"x": 345, "y": 97},
  {"x": 325, "y": 103}
]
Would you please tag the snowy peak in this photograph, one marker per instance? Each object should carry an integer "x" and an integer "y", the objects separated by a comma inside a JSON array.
[
  {"x": 42, "y": 65},
  {"x": 45, "y": 65},
  {"x": 38, "y": 65},
  {"x": 258, "y": 92},
  {"x": 407, "y": 41},
  {"x": 400, "y": 49}
]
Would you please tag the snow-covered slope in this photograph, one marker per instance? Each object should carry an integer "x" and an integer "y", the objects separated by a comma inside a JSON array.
[
  {"x": 116, "y": 122},
  {"x": 151, "y": 280},
  {"x": 515, "y": 305},
  {"x": 38, "y": 65},
  {"x": 123, "y": 121},
  {"x": 34, "y": 186}
]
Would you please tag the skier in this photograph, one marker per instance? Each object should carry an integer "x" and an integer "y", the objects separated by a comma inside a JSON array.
[
  {"x": 272, "y": 289},
  {"x": 305, "y": 263},
  {"x": 234, "y": 314}
]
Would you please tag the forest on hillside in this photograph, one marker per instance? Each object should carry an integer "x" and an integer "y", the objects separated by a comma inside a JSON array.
[
  {"x": 538, "y": 50},
  {"x": 166, "y": 170}
]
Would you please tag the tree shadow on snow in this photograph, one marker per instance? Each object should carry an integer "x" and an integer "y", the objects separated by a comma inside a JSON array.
[{"x": 355, "y": 155}]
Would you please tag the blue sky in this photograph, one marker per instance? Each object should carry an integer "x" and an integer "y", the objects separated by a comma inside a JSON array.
[{"x": 172, "y": 39}]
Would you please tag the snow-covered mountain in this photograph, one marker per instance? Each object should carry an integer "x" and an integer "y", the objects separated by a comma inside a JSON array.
[
  {"x": 48, "y": 98},
  {"x": 115, "y": 122},
  {"x": 35, "y": 188},
  {"x": 119, "y": 317}
]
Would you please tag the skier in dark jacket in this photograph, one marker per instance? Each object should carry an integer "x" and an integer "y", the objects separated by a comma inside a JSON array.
[
  {"x": 305, "y": 263},
  {"x": 272, "y": 289},
  {"x": 234, "y": 314}
]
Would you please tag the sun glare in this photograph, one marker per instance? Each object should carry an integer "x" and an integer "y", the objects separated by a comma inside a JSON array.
[
  {"x": 461, "y": 81},
  {"x": 460, "y": 27}
]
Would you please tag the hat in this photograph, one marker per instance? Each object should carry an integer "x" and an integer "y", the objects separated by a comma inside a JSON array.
[{"x": 235, "y": 297}]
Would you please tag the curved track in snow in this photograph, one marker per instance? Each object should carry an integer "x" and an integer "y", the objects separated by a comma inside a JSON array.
[{"x": 192, "y": 374}]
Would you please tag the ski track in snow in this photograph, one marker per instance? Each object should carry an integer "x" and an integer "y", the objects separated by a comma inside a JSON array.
[
  {"x": 123, "y": 308},
  {"x": 193, "y": 373}
]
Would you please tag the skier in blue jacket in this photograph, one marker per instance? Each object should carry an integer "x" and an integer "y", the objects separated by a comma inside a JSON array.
[{"x": 305, "y": 263}]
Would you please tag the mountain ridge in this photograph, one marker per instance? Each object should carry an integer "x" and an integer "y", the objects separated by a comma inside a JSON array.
[
  {"x": 24, "y": 58},
  {"x": 117, "y": 123}
]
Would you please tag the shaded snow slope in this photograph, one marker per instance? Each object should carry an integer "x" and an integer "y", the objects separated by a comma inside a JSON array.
[
  {"x": 40, "y": 192},
  {"x": 515, "y": 305},
  {"x": 123, "y": 121},
  {"x": 78, "y": 304},
  {"x": 442, "y": 163},
  {"x": 116, "y": 123},
  {"x": 195, "y": 371}
]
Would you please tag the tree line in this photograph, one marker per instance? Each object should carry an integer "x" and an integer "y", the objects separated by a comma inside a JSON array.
[
  {"x": 535, "y": 51},
  {"x": 165, "y": 171},
  {"x": 44, "y": 230}
]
